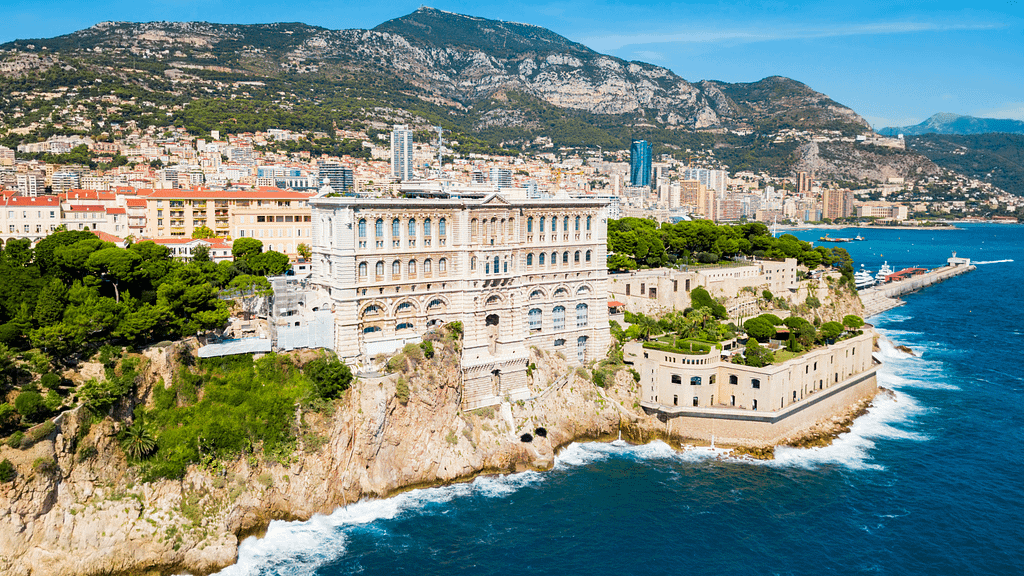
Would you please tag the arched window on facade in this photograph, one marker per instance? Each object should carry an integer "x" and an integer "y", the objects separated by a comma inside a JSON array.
[
  {"x": 496, "y": 269},
  {"x": 581, "y": 315},
  {"x": 412, "y": 267},
  {"x": 529, "y": 224},
  {"x": 371, "y": 310},
  {"x": 565, "y": 224},
  {"x": 588, "y": 223},
  {"x": 371, "y": 329},
  {"x": 404, "y": 326},
  {"x": 529, "y": 259},
  {"x": 426, "y": 227},
  {"x": 540, "y": 259},
  {"x": 536, "y": 295},
  {"x": 474, "y": 227},
  {"x": 576, "y": 257},
  {"x": 435, "y": 304},
  {"x": 542, "y": 224},
  {"x": 412, "y": 228},
  {"x": 426, "y": 266},
  {"x": 472, "y": 263},
  {"x": 588, "y": 255},
  {"x": 380, "y": 268},
  {"x": 558, "y": 317},
  {"x": 554, "y": 224},
  {"x": 536, "y": 318},
  {"x": 396, "y": 269},
  {"x": 577, "y": 223},
  {"x": 442, "y": 265},
  {"x": 442, "y": 227},
  {"x": 396, "y": 228},
  {"x": 379, "y": 227},
  {"x": 565, "y": 257},
  {"x": 362, "y": 269},
  {"x": 362, "y": 228}
]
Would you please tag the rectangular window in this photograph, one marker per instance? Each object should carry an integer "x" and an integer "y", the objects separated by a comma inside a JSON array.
[
  {"x": 696, "y": 401},
  {"x": 755, "y": 383}
]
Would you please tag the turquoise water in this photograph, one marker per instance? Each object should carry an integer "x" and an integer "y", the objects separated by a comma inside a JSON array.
[{"x": 926, "y": 483}]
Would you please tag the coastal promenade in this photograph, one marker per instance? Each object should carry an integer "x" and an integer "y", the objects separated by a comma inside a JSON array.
[{"x": 878, "y": 299}]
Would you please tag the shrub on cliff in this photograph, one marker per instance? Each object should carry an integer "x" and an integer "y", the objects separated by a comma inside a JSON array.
[
  {"x": 29, "y": 404},
  {"x": 330, "y": 377},
  {"x": 402, "y": 391},
  {"x": 7, "y": 471},
  {"x": 699, "y": 297},
  {"x": 428, "y": 349}
]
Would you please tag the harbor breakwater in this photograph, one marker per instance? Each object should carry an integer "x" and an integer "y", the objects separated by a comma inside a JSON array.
[{"x": 878, "y": 299}]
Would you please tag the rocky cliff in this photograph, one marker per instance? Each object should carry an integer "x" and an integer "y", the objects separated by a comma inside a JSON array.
[{"x": 88, "y": 512}]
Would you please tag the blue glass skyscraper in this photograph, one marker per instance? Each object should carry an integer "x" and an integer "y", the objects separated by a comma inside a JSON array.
[{"x": 640, "y": 163}]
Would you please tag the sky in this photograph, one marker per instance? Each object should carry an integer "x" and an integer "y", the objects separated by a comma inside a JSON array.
[{"x": 895, "y": 62}]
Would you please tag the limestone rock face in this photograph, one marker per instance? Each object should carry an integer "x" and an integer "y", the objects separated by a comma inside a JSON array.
[{"x": 94, "y": 515}]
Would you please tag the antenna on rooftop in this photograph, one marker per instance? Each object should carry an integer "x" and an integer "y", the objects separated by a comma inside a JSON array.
[{"x": 440, "y": 141}]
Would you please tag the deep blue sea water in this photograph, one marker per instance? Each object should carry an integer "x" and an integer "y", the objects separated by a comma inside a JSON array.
[{"x": 928, "y": 483}]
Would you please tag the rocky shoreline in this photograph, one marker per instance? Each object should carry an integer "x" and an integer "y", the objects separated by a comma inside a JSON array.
[{"x": 95, "y": 516}]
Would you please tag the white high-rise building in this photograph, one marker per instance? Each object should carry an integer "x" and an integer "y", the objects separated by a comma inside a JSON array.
[{"x": 401, "y": 152}]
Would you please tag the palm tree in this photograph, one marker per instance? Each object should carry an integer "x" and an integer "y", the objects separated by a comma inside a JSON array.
[
  {"x": 138, "y": 441},
  {"x": 648, "y": 327}
]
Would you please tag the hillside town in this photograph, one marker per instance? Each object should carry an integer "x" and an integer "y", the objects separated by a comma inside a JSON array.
[{"x": 166, "y": 185}]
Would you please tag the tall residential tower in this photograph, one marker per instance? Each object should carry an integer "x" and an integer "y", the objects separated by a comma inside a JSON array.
[{"x": 640, "y": 163}]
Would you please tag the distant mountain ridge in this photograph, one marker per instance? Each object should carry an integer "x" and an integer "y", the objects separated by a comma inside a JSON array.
[
  {"x": 948, "y": 123},
  {"x": 493, "y": 85}
]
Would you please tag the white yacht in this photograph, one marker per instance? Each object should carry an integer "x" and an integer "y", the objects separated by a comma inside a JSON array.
[
  {"x": 863, "y": 278},
  {"x": 884, "y": 271}
]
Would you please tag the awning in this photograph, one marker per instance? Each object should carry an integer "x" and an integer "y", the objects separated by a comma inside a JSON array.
[{"x": 615, "y": 304}]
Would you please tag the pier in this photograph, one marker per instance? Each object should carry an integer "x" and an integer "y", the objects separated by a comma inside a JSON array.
[{"x": 878, "y": 299}]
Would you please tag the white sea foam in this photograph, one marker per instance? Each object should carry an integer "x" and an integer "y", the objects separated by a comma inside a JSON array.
[{"x": 993, "y": 261}]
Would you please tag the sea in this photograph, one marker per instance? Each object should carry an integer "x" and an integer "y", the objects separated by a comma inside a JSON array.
[{"x": 928, "y": 482}]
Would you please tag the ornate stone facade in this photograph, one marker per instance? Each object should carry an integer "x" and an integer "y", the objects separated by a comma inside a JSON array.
[{"x": 516, "y": 273}]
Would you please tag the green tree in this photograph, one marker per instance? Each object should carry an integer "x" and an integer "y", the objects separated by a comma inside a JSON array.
[
  {"x": 305, "y": 251},
  {"x": 138, "y": 440},
  {"x": 51, "y": 303},
  {"x": 830, "y": 331},
  {"x": 203, "y": 232},
  {"x": 115, "y": 265},
  {"x": 853, "y": 322},
  {"x": 759, "y": 328},
  {"x": 29, "y": 404},
  {"x": 767, "y": 295},
  {"x": 270, "y": 263},
  {"x": 756, "y": 355},
  {"x": 329, "y": 376},
  {"x": 245, "y": 248},
  {"x": 801, "y": 329},
  {"x": 201, "y": 253},
  {"x": 699, "y": 297}
]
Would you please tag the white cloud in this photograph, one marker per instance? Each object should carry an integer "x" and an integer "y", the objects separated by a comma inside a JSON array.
[
  {"x": 1011, "y": 110},
  {"x": 650, "y": 55},
  {"x": 616, "y": 41}
]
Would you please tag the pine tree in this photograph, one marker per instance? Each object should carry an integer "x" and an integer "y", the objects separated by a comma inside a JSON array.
[{"x": 51, "y": 304}]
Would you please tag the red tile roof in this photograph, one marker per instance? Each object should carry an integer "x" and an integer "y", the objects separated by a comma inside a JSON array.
[
  {"x": 116, "y": 211},
  {"x": 135, "y": 202},
  {"x": 258, "y": 194},
  {"x": 30, "y": 201}
]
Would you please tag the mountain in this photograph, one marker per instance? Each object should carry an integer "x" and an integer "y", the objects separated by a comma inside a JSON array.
[
  {"x": 947, "y": 123},
  {"x": 495, "y": 86},
  {"x": 996, "y": 158}
]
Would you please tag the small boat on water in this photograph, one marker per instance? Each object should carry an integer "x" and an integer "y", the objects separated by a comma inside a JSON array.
[
  {"x": 827, "y": 238},
  {"x": 859, "y": 238}
]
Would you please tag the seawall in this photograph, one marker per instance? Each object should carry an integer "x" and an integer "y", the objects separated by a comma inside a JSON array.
[{"x": 878, "y": 299}]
